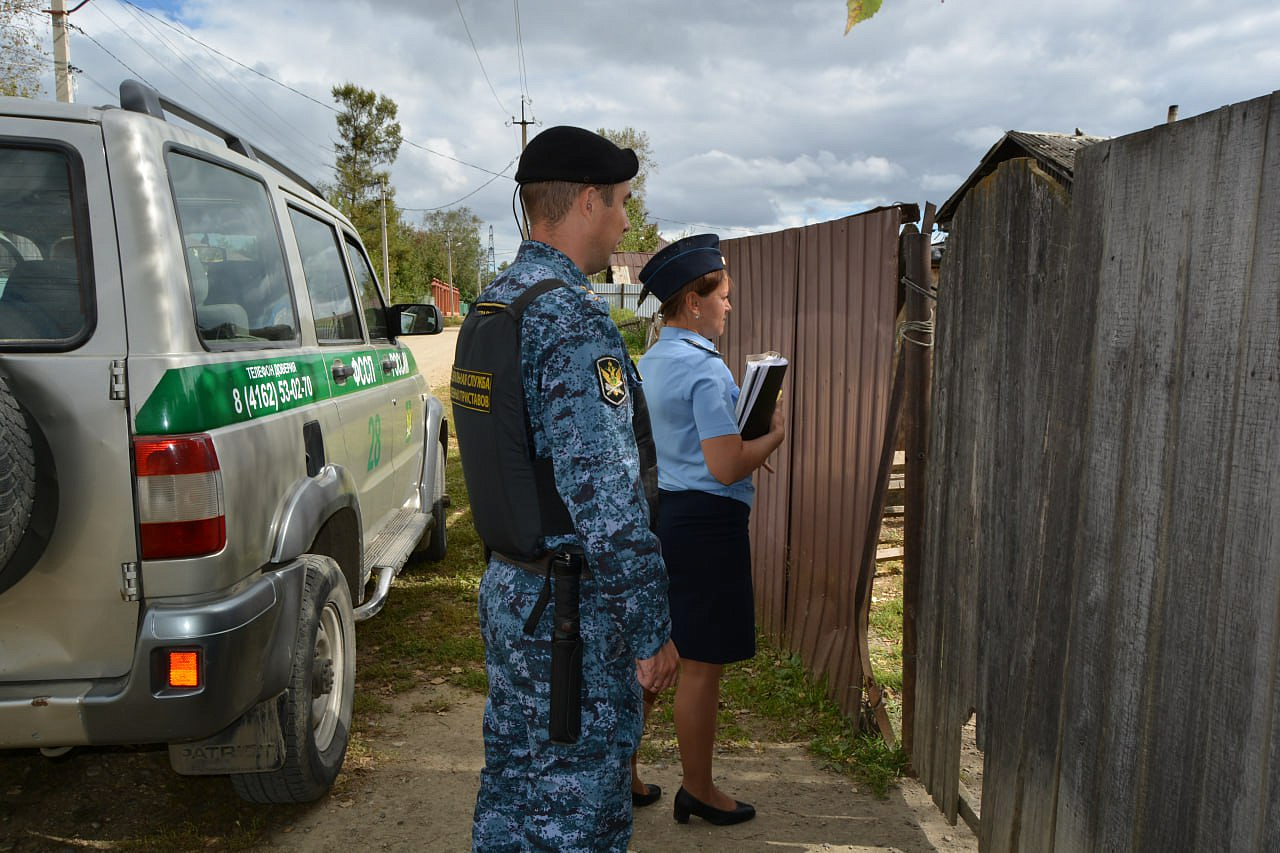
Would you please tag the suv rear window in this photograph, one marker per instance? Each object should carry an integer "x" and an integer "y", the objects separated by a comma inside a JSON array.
[
  {"x": 234, "y": 257},
  {"x": 44, "y": 298}
]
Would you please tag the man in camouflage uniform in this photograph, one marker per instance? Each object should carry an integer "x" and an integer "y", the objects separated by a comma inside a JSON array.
[{"x": 536, "y": 794}]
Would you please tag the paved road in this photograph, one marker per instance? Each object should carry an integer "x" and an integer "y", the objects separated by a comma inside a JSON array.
[{"x": 434, "y": 354}]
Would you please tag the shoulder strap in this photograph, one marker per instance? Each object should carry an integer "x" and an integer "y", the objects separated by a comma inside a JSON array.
[
  {"x": 707, "y": 350},
  {"x": 551, "y": 507},
  {"x": 522, "y": 301}
]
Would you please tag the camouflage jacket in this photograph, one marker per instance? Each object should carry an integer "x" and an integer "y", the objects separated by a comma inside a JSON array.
[{"x": 579, "y": 385}]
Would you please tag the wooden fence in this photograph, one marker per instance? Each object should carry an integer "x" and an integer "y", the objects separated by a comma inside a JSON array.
[
  {"x": 1100, "y": 577},
  {"x": 825, "y": 296}
]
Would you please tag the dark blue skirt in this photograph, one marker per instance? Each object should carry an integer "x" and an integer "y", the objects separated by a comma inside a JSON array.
[{"x": 707, "y": 549}]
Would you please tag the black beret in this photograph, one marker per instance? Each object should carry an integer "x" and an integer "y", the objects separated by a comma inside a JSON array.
[
  {"x": 680, "y": 263},
  {"x": 579, "y": 156}
]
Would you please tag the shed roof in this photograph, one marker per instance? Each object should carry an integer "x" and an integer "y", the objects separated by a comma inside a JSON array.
[
  {"x": 624, "y": 267},
  {"x": 1055, "y": 153}
]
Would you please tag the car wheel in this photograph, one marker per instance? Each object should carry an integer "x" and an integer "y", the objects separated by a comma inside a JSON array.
[
  {"x": 17, "y": 477},
  {"x": 437, "y": 539},
  {"x": 315, "y": 710}
]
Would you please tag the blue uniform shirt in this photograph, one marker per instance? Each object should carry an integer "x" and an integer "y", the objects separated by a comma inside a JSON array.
[
  {"x": 578, "y": 384},
  {"x": 691, "y": 396}
]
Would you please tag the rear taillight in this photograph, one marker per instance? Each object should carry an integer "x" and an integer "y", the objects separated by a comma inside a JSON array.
[{"x": 179, "y": 496}]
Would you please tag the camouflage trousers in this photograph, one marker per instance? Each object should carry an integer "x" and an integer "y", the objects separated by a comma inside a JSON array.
[{"x": 535, "y": 794}]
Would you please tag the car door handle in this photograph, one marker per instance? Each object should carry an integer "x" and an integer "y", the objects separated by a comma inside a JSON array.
[
  {"x": 342, "y": 372},
  {"x": 388, "y": 365}
]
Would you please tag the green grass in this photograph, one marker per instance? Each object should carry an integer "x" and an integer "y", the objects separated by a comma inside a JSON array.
[
  {"x": 632, "y": 328},
  {"x": 429, "y": 631}
]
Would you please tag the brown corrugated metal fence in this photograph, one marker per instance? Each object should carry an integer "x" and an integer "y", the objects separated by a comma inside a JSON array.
[{"x": 825, "y": 296}]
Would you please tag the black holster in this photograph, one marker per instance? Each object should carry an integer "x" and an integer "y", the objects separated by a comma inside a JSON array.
[{"x": 565, "y": 724}]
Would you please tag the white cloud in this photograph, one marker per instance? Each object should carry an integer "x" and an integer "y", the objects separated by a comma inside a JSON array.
[{"x": 760, "y": 115}]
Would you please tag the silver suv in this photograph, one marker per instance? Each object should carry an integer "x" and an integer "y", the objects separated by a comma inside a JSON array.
[{"x": 215, "y": 455}]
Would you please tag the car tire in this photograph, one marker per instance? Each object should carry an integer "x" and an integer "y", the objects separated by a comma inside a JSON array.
[
  {"x": 436, "y": 542},
  {"x": 17, "y": 477},
  {"x": 315, "y": 709}
]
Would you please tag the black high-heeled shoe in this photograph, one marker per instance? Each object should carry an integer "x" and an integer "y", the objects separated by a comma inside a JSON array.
[
  {"x": 648, "y": 798},
  {"x": 687, "y": 804}
]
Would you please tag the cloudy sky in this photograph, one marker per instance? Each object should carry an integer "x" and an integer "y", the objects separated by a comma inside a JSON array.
[{"x": 761, "y": 114}]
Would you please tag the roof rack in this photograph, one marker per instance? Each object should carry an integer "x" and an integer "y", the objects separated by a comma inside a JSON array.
[{"x": 140, "y": 98}]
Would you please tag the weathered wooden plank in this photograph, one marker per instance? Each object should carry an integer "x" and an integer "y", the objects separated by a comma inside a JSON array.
[
  {"x": 1239, "y": 778},
  {"x": 972, "y": 431},
  {"x": 1218, "y": 162},
  {"x": 1017, "y": 803},
  {"x": 930, "y": 740},
  {"x": 1090, "y": 594},
  {"x": 1122, "y": 478}
]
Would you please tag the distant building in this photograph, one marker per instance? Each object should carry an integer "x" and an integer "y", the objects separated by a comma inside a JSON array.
[{"x": 1054, "y": 153}]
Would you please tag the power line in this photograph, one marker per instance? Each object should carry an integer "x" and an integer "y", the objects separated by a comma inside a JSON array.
[
  {"x": 468, "y": 195},
  {"x": 329, "y": 107},
  {"x": 233, "y": 59},
  {"x": 259, "y": 120},
  {"x": 716, "y": 228},
  {"x": 137, "y": 74},
  {"x": 477, "y": 53},
  {"x": 524, "y": 75},
  {"x": 81, "y": 72}
]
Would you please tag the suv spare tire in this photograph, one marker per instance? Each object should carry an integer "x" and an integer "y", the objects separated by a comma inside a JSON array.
[{"x": 17, "y": 476}]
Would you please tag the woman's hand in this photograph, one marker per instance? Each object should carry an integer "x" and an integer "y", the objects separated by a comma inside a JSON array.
[
  {"x": 659, "y": 672},
  {"x": 778, "y": 423},
  {"x": 729, "y": 458}
]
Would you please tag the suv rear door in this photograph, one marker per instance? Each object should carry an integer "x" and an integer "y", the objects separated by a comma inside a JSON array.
[{"x": 66, "y": 610}]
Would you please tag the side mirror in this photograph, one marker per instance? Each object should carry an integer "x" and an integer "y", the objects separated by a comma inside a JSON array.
[{"x": 412, "y": 318}]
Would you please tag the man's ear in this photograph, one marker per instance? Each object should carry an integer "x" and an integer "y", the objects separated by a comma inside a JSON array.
[{"x": 589, "y": 198}]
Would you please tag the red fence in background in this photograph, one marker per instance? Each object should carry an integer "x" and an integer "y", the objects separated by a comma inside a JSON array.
[{"x": 446, "y": 298}]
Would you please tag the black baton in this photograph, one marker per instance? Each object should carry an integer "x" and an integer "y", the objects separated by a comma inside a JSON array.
[{"x": 566, "y": 652}]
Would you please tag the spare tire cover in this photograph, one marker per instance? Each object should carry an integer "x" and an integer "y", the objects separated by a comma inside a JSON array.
[{"x": 17, "y": 476}]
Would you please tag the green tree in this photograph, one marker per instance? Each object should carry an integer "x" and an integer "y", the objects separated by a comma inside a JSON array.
[
  {"x": 643, "y": 236},
  {"x": 22, "y": 53},
  {"x": 368, "y": 139},
  {"x": 454, "y": 236}
]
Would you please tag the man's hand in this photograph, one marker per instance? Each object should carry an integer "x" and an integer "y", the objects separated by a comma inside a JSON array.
[{"x": 659, "y": 672}]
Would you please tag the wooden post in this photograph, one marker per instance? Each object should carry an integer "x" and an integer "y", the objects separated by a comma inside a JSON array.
[{"x": 918, "y": 380}]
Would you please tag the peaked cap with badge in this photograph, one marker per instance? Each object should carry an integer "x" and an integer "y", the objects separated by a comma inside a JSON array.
[
  {"x": 572, "y": 154},
  {"x": 680, "y": 263}
]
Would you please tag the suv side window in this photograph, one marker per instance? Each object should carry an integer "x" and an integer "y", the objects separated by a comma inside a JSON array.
[
  {"x": 330, "y": 290},
  {"x": 233, "y": 254},
  {"x": 44, "y": 295},
  {"x": 370, "y": 298}
]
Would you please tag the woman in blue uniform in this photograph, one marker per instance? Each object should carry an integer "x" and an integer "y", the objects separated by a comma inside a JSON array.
[{"x": 705, "y": 496}]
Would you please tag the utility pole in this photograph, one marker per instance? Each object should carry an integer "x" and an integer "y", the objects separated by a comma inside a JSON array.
[
  {"x": 386, "y": 259},
  {"x": 448, "y": 248},
  {"x": 493, "y": 267},
  {"x": 524, "y": 142},
  {"x": 524, "y": 125},
  {"x": 61, "y": 51}
]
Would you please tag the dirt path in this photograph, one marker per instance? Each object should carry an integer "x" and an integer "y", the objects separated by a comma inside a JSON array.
[
  {"x": 418, "y": 789},
  {"x": 434, "y": 354}
]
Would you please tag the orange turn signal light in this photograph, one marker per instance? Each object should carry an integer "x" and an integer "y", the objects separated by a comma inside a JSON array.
[{"x": 184, "y": 668}]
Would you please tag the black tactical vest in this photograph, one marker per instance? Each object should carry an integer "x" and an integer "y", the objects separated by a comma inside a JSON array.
[{"x": 504, "y": 479}]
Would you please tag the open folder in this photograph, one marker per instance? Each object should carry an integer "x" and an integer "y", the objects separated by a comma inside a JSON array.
[{"x": 761, "y": 383}]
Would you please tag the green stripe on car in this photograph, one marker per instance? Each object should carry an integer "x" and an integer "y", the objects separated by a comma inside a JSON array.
[{"x": 207, "y": 396}]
